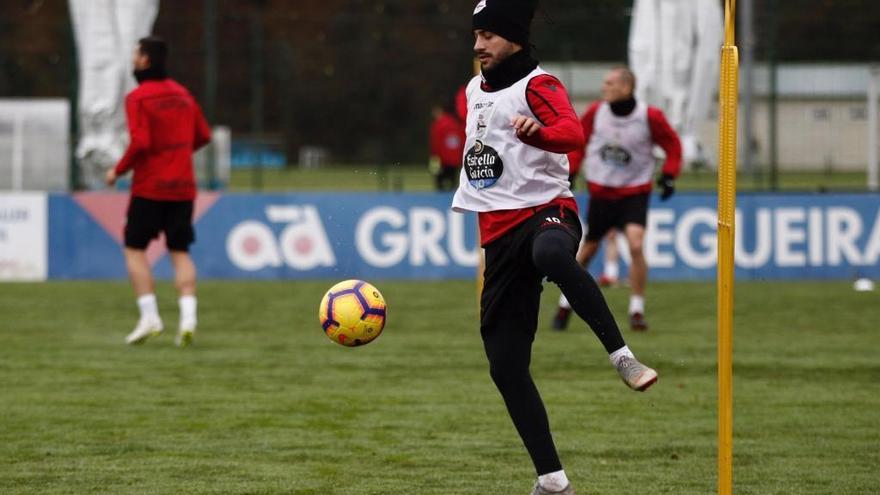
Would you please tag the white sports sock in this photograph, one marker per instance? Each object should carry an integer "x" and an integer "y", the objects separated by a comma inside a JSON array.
[
  {"x": 636, "y": 304},
  {"x": 188, "y": 306},
  {"x": 555, "y": 481},
  {"x": 148, "y": 306},
  {"x": 622, "y": 352},
  {"x": 611, "y": 270},
  {"x": 563, "y": 302}
]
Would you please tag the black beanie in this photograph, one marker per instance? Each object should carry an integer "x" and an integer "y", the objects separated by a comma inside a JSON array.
[{"x": 510, "y": 19}]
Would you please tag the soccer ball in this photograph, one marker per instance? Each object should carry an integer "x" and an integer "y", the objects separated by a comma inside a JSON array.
[{"x": 352, "y": 313}]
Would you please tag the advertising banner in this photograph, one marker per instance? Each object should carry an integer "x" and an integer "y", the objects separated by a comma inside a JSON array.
[
  {"x": 23, "y": 236},
  {"x": 416, "y": 236},
  {"x": 778, "y": 236}
]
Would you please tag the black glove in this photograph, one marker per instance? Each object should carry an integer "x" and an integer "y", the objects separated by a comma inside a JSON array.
[{"x": 667, "y": 184}]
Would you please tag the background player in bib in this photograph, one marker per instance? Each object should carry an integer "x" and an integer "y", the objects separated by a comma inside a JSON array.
[
  {"x": 611, "y": 267},
  {"x": 166, "y": 125},
  {"x": 620, "y": 134},
  {"x": 520, "y": 125}
]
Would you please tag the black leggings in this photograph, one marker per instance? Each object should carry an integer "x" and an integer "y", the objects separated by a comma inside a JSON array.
[
  {"x": 550, "y": 254},
  {"x": 515, "y": 267}
]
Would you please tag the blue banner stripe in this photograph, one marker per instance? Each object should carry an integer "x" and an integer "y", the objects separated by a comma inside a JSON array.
[{"x": 416, "y": 236}]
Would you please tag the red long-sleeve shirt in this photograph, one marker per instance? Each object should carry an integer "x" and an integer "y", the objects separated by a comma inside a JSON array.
[
  {"x": 447, "y": 140},
  {"x": 662, "y": 135},
  {"x": 561, "y": 133},
  {"x": 461, "y": 103},
  {"x": 166, "y": 125}
]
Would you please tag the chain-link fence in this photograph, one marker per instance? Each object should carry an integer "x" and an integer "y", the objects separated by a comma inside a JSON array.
[{"x": 353, "y": 82}]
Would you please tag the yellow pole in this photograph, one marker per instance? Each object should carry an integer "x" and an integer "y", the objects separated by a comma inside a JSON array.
[{"x": 727, "y": 126}]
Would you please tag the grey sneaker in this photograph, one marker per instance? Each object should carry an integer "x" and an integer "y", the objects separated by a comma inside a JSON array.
[
  {"x": 539, "y": 490},
  {"x": 635, "y": 374}
]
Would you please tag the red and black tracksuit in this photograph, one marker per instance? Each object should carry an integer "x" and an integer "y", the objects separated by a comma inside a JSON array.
[{"x": 165, "y": 125}]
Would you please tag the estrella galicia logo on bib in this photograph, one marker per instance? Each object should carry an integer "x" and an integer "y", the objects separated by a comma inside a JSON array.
[
  {"x": 483, "y": 166},
  {"x": 615, "y": 155}
]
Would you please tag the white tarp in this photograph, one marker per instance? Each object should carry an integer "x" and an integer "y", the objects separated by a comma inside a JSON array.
[
  {"x": 34, "y": 146},
  {"x": 106, "y": 33},
  {"x": 23, "y": 237},
  {"x": 674, "y": 51}
]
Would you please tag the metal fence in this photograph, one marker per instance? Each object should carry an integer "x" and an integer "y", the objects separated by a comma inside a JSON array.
[{"x": 353, "y": 81}]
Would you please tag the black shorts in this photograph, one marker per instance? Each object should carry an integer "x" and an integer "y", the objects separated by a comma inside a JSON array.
[
  {"x": 148, "y": 217},
  {"x": 606, "y": 214},
  {"x": 511, "y": 283}
]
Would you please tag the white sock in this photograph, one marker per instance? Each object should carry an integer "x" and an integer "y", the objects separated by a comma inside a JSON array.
[
  {"x": 622, "y": 352},
  {"x": 636, "y": 304},
  {"x": 148, "y": 306},
  {"x": 187, "y": 309},
  {"x": 555, "y": 481},
  {"x": 563, "y": 302},
  {"x": 611, "y": 270}
]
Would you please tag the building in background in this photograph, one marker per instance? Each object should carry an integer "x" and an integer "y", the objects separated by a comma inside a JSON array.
[
  {"x": 356, "y": 80},
  {"x": 822, "y": 114}
]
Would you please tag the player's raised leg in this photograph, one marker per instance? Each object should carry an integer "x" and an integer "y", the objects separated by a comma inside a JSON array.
[
  {"x": 552, "y": 252},
  {"x": 586, "y": 251}
]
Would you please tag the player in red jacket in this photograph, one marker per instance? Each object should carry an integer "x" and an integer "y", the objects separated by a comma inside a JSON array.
[
  {"x": 166, "y": 125},
  {"x": 620, "y": 134},
  {"x": 447, "y": 146}
]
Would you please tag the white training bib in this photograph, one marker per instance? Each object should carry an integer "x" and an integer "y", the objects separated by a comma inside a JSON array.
[
  {"x": 619, "y": 153},
  {"x": 500, "y": 172}
]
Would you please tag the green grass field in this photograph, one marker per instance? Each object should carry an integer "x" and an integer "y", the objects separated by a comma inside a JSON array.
[
  {"x": 415, "y": 178},
  {"x": 265, "y": 404}
]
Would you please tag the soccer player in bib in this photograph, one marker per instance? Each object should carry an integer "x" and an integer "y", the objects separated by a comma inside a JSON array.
[
  {"x": 520, "y": 125},
  {"x": 620, "y": 135}
]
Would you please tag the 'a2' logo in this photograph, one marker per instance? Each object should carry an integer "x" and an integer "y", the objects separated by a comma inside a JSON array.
[{"x": 302, "y": 244}]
